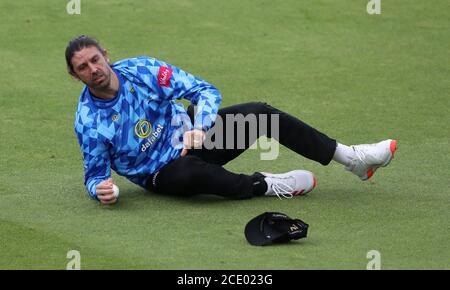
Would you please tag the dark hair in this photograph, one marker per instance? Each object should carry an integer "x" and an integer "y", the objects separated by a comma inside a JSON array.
[{"x": 77, "y": 44}]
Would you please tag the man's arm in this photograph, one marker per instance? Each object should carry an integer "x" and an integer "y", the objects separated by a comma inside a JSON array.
[
  {"x": 97, "y": 171},
  {"x": 171, "y": 82},
  {"x": 202, "y": 94}
]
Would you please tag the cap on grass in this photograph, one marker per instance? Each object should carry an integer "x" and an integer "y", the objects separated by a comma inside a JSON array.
[{"x": 274, "y": 227}]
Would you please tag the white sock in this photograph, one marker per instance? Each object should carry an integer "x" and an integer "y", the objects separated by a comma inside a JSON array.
[
  {"x": 344, "y": 154},
  {"x": 269, "y": 185}
]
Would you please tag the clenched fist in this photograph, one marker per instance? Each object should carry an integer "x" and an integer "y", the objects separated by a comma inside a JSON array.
[{"x": 105, "y": 192}]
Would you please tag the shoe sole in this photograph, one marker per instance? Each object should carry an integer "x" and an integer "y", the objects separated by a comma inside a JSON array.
[{"x": 371, "y": 171}]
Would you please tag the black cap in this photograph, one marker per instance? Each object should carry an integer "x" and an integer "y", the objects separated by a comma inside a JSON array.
[{"x": 274, "y": 227}]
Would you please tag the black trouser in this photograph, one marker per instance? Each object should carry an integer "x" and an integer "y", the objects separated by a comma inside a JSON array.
[{"x": 201, "y": 171}]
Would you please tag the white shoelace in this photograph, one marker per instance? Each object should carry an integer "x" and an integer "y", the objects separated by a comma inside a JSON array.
[
  {"x": 360, "y": 154},
  {"x": 282, "y": 189},
  {"x": 360, "y": 157}
]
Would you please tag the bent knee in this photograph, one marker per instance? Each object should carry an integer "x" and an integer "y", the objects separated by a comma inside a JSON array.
[{"x": 260, "y": 107}]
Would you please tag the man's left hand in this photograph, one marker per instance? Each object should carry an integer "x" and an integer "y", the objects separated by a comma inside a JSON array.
[{"x": 192, "y": 139}]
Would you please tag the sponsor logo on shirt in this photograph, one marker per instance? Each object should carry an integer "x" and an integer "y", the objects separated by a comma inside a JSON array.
[
  {"x": 143, "y": 129},
  {"x": 152, "y": 138},
  {"x": 164, "y": 75}
]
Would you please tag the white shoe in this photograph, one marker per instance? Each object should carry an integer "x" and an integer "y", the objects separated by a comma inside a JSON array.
[
  {"x": 371, "y": 156},
  {"x": 290, "y": 184}
]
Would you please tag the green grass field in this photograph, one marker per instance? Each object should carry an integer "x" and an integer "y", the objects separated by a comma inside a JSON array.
[{"x": 359, "y": 78}]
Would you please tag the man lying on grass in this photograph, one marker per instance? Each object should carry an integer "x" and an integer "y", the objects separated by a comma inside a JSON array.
[{"x": 127, "y": 120}]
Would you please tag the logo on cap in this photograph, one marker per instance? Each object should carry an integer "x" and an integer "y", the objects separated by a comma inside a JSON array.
[{"x": 274, "y": 227}]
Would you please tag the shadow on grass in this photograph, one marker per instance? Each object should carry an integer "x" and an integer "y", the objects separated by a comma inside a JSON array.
[
  {"x": 143, "y": 198},
  {"x": 193, "y": 199}
]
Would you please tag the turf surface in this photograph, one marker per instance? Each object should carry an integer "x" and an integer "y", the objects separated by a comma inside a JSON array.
[{"x": 357, "y": 77}]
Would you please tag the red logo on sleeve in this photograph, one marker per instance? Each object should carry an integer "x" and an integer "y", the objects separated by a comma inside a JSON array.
[{"x": 164, "y": 75}]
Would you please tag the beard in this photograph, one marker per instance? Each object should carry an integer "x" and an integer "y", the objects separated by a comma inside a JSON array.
[{"x": 100, "y": 80}]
